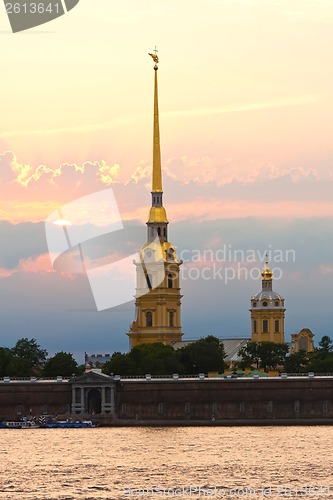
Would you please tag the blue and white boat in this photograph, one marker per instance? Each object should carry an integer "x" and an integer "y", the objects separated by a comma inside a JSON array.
[
  {"x": 19, "y": 424},
  {"x": 42, "y": 423},
  {"x": 69, "y": 424}
]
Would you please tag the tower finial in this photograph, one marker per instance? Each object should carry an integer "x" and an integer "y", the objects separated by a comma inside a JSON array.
[
  {"x": 267, "y": 274},
  {"x": 154, "y": 56}
]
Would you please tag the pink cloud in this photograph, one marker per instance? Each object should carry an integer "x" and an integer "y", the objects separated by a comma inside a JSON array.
[
  {"x": 326, "y": 269},
  {"x": 237, "y": 188}
]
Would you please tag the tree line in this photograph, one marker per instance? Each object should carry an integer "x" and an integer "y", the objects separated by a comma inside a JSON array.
[
  {"x": 268, "y": 355},
  {"x": 203, "y": 356},
  {"x": 27, "y": 359},
  {"x": 207, "y": 354}
]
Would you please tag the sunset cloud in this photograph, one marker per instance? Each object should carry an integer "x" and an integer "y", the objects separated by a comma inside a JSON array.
[
  {"x": 216, "y": 189},
  {"x": 25, "y": 174}
]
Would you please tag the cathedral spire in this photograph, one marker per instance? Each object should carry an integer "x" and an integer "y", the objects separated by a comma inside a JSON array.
[
  {"x": 158, "y": 296},
  {"x": 157, "y": 169},
  {"x": 157, "y": 214}
]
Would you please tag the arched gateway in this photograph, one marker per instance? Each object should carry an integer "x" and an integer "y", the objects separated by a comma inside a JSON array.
[
  {"x": 93, "y": 393},
  {"x": 94, "y": 400}
]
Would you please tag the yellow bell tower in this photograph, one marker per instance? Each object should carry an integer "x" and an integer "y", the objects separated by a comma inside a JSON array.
[
  {"x": 158, "y": 297},
  {"x": 267, "y": 311}
]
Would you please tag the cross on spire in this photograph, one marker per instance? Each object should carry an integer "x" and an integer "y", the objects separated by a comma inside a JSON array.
[
  {"x": 154, "y": 56},
  {"x": 266, "y": 259}
]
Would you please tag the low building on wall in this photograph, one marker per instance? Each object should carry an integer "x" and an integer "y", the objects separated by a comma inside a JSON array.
[{"x": 93, "y": 393}]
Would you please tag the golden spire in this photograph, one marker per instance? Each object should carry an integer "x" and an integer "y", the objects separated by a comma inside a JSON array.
[
  {"x": 157, "y": 212},
  {"x": 157, "y": 169},
  {"x": 267, "y": 274}
]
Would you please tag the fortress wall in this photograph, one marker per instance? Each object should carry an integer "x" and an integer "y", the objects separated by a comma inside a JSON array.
[
  {"x": 18, "y": 398},
  {"x": 158, "y": 400},
  {"x": 226, "y": 399}
]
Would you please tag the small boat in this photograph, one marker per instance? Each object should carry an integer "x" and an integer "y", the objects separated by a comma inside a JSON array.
[
  {"x": 19, "y": 424},
  {"x": 69, "y": 424},
  {"x": 42, "y": 423}
]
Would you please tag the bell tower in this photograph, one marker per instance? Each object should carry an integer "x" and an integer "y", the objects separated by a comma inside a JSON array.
[
  {"x": 267, "y": 311},
  {"x": 158, "y": 297}
]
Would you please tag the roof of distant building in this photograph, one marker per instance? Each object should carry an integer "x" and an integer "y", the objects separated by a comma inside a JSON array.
[
  {"x": 97, "y": 360},
  {"x": 231, "y": 346}
]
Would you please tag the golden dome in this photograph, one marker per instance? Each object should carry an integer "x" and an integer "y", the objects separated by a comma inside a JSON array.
[
  {"x": 267, "y": 273},
  {"x": 157, "y": 214}
]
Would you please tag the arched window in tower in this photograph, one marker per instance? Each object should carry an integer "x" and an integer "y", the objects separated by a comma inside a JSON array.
[
  {"x": 255, "y": 326},
  {"x": 171, "y": 318},
  {"x": 276, "y": 304},
  {"x": 159, "y": 231},
  {"x": 170, "y": 280},
  {"x": 171, "y": 254},
  {"x": 149, "y": 280},
  {"x": 164, "y": 231},
  {"x": 277, "y": 326},
  {"x": 265, "y": 326},
  {"x": 149, "y": 318}
]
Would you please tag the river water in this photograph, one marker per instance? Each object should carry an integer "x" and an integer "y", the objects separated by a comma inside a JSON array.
[{"x": 198, "y": 462}]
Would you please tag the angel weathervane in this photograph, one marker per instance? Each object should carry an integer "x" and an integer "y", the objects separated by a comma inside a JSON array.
[{"x": 154, "y": 56}]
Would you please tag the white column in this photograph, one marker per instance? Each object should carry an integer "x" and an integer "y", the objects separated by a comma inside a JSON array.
[
  {"x": 113, "y": 401},
  {"x": 82, "y": 400},
  {"x": 103, "y": 400},
  {"x": 73, "y": 400}
]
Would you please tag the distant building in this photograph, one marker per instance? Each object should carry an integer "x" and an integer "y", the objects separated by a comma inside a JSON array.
[
  {"x": 303, "y": 341},
  {"x": 267, "y": 312},
  {"x": 96, "y": 360}
]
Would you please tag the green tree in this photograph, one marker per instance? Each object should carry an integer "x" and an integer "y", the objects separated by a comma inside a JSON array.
[
  {"x": 297, "y": 362},
  {"x": 26, "y": 358},
  {"x": 156, "y": 359},
  {"x": 203, "y": 356},
  {"x": 30, "y": 350},
  {"x": 119, "y": 364},
  {"x": 266, "y": 355},
  {"x": 6, "y": 356},
  {"x": 250, "y": 355},
  {"x": 325, "y": 346},
  {"x": 20, "y": 367},
  {"x": 272, "y": 354},
  {"x": 62, "y": 363},
  {"x": 321, "y": 365}
]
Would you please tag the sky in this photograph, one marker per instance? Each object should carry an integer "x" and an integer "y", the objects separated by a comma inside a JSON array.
[{"x": 246, "y": 101}]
